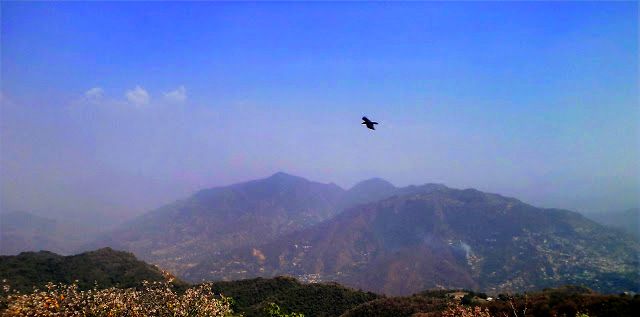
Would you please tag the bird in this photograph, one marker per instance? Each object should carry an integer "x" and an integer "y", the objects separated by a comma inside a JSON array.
[{"x": 369, "y": 123}]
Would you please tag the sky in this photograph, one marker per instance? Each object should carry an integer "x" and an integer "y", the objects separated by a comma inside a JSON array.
[{"x": 116, "y": 108}]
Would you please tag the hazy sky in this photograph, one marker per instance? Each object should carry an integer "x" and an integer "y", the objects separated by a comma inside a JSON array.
[{"x": 121, "y": 107}]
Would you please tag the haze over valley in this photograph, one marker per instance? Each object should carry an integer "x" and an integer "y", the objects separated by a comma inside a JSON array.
[
  {"x": 418, "y": 154},
  {"x": 373, "y": 236}
]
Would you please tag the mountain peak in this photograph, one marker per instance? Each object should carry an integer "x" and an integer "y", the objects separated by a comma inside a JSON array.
[
  {"x": 225, "y": 218},
  {"x": 368, "y": 191},
  {"x": 107, "y": 251},
  {"x": 281, "y": 174},
  {"x": 285, "y": 178},
  {"x": 375, "y": 182}
]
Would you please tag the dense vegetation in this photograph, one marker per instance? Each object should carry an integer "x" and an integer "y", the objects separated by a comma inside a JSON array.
[
  {"x": 284, "y": 296},
  {"x": 152, "y": 299},
  {"x": 115, "y": 283},
  {"x": 253, "y": 297},
  {"x": 566, "y": 301},
  {"x": 104, "y": 267}
]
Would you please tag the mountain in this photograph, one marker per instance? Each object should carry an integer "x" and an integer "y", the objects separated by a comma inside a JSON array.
[
  {"x": 376, "y": 189},
  {"x": 22, "y": 231},
  {"x": 436, "y": 237},
  {"x": 626, "y": 220},
  {"x": 367, "y": 191},
  {"x": 106, "y": 267},
  {"x": 180, "y": 235},
  {"x": 176, "y": 236},
  {"x": 378, "y": 237}
]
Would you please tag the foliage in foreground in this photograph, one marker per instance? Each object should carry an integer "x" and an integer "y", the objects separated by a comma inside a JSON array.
[
  {"x": 274, "y": 311},
  {"x": 465, "y": 311},
  {"x": 153, "y": 299},
  {"x": 285, "y": 297}
]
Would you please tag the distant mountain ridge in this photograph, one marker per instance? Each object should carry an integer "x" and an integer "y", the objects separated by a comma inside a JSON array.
[
  {"x": 177, "y": 236},
  {"x": 368, "y": 190},
  {"x": 212, "y": 220},
  {"x": 443, "y": 238},
  {"x": 378, "y": 237}
]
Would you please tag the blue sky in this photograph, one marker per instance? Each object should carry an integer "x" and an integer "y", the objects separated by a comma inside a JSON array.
[{"x": 119, "y": 107}]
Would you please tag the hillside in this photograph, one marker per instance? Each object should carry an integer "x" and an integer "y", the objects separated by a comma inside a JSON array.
[
  {"x": 178, "y": 236},
  {"x": 562, "y": 301},
  {"x": 223, "y": 218},
  {"x": 252, "y": 296},
  {"x": 379, "y": 237},
  {"x": 435, "y": 237},
  {"x": 106, "y": 267}
]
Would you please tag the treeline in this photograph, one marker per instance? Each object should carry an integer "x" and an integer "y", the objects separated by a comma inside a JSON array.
[
  {"x": 115, "y": 270},
  {"x": 253, "y": 297},
  {"x": 567, "y": 301},
  {"x": 285, "y": 296},
  {"x": 103, "y": 267}
]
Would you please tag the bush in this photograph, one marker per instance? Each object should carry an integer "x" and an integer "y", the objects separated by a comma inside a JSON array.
[
  {"x": 465, "y": 311},
  {"x": 274, "y": 311},
  {"x": 153, "y": 299}
]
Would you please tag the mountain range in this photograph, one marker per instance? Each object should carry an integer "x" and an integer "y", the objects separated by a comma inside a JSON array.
[
  {"x": 213, "y": 220},
  {"x": 378, "y": 237},
  {"x": 444, "y": 238}
]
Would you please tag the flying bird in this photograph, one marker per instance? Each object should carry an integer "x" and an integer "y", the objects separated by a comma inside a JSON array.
[{"x": 370, "y": 124}]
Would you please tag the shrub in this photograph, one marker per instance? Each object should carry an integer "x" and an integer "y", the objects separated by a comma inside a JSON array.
[
  {"x": 274, "y": 311},
  {"x": 153, "y": 299},
  {"x": 465, "y": 311}
]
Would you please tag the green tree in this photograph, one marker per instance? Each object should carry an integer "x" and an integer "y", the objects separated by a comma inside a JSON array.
[{"x": 274, "y": 311}]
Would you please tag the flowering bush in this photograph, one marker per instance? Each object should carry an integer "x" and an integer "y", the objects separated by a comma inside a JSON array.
[
  {"x": 153, "y": 299},
  {"x": 465, "y": 311}
]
